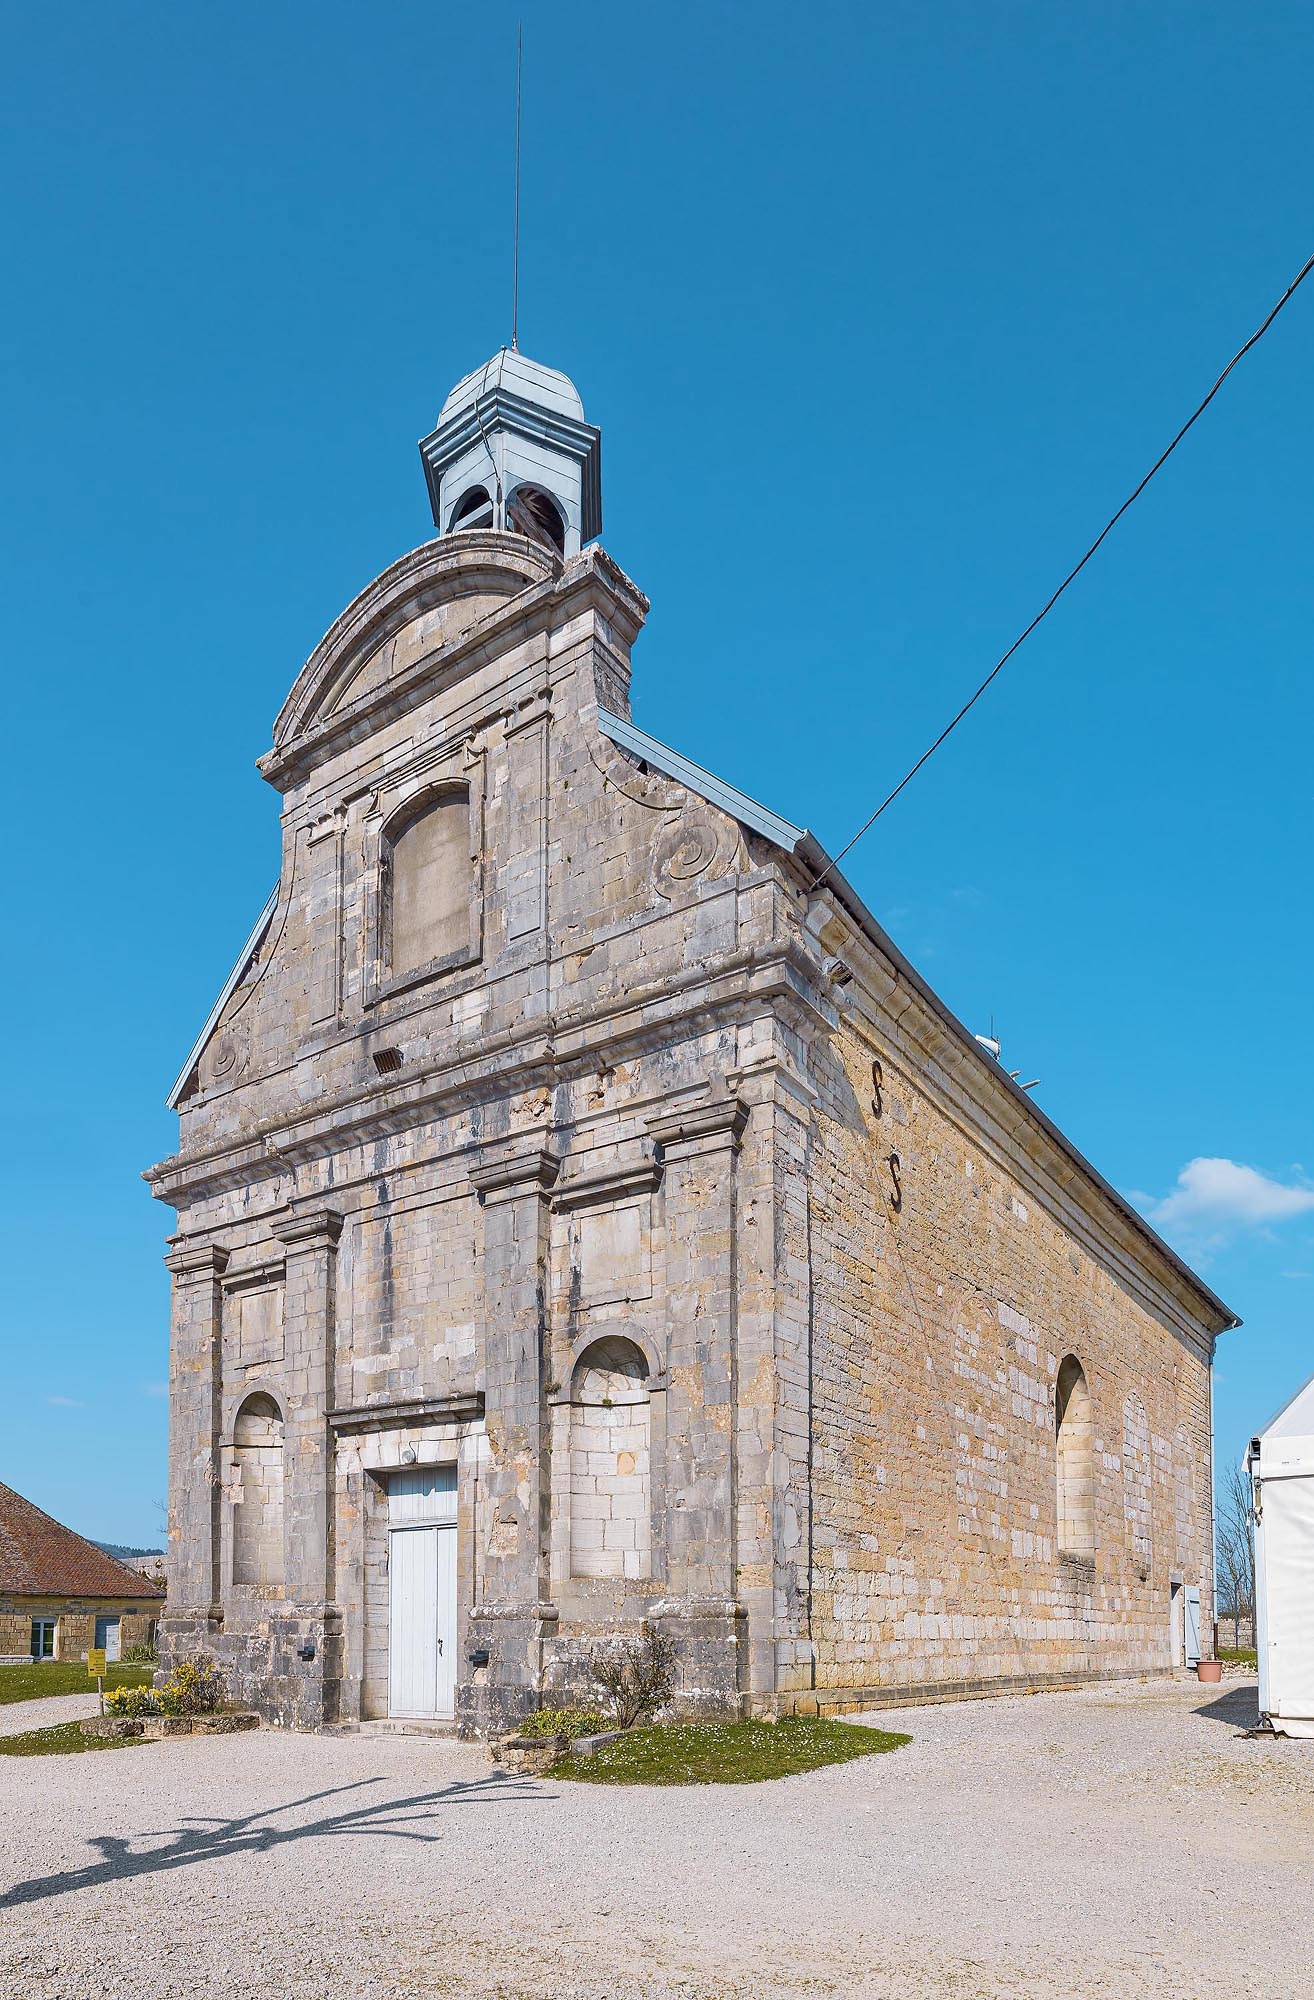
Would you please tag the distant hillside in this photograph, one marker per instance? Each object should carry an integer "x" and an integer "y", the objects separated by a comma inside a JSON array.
[{"x": 122, "y": 1551}]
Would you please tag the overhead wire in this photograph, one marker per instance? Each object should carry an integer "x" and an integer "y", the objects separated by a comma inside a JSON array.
[{"x": 1072, "y": 574}]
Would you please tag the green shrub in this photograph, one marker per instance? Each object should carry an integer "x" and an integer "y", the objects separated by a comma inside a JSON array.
[
  {"x": 141, "y": 1656},
  {"x": 195, "y": 1687},
  {"x": 131, "y": 1701},
  {"x": 570, "y": 1722},
  {"x": 637, "y": 1678}
]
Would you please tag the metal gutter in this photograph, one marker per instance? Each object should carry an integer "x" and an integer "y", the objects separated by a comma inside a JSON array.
[{"x": 249, "y": 950}]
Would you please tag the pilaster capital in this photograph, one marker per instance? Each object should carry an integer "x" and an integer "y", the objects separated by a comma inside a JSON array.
[
  {"x": 716, "y": 1125},
  {"x": 520, "y": 1170},
  {"x": 310, "y": 1228},
  {"x": 192, "y": 1261}
]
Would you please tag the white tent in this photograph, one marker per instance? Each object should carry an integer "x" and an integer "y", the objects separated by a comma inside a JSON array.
[{"x": 1281, "y": 1466}]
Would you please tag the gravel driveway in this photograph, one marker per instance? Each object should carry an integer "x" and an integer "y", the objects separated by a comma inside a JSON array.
[{"x": 1121, "y": 1842}]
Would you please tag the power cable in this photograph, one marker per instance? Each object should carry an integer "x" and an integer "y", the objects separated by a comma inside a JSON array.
[{"x": 1072, "y": 574}]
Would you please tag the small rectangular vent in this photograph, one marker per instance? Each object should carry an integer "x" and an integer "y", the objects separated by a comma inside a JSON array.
[{"x": 387, "y": 1061}]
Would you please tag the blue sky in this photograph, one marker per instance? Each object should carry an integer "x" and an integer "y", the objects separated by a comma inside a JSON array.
[{"x": 882, "y": 312}]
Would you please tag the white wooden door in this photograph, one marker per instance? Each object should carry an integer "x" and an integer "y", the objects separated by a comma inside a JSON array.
[
  {"x": 422, "y": 1638},
  {"x": 1192, "y": 1624},
  {"x": 107, "y": 1635}
]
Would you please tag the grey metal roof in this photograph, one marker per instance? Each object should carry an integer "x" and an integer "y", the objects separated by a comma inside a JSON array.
[
  {"x": 532, "y": 381},
  {"x": 249, "y": 950},
  {"x": 738, "y": 804}
]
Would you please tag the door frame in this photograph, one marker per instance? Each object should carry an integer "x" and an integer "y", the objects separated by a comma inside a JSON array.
[{"x": 447, "y": 1628}]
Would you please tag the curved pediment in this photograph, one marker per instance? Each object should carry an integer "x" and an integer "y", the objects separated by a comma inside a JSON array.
[{"x": 418, "y": 608}]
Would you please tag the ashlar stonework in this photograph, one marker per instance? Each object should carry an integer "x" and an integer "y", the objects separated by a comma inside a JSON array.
[{"x": 587, "y": 1216}]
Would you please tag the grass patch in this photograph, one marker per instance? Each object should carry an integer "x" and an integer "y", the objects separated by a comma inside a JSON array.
[
  {"x": 563, "y": 1722},
  {"x": 1238, "y": 1657},
  {"x": 62, "y": 1739},
  {"x": 65, "y": 1677},
  {"x": 727, "y": 1753}
]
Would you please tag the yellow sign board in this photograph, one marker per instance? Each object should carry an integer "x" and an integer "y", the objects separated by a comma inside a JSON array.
[{"x": 96, "y": 1662}]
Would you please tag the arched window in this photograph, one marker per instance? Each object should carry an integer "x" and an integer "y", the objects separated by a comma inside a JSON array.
[
  {"x": 1074, "y": 1439},
  {"x": 530, "y": 511},
  {"x": 474, "y": 509},
  {"x": 610, "y": 1472},
  {"x": 429, "y": 883},
  {"x": 258, "y": 1494}
]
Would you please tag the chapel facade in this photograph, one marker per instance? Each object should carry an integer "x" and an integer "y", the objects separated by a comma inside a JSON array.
[{"x": 587, "y": 1217}]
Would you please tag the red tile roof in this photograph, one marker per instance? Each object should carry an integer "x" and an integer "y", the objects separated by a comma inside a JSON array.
[{"x": 40, "y": 1558}]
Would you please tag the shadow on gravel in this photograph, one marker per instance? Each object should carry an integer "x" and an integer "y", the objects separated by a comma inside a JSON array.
[
  {"x": 218, "y": 1839},
  {"x": 1239, "y": 1707}
]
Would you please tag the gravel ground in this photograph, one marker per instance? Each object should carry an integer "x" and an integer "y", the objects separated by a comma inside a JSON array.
[{"x": 1125, "y": 1841}]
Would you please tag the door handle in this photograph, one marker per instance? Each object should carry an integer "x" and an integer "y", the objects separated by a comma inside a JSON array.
[{"x": 440, "y": 1645}]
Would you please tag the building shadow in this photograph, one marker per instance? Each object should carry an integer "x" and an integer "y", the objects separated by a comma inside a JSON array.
[
  {"x": 1238, "y": 1708},
  {"x": 200, "y": 1840}
]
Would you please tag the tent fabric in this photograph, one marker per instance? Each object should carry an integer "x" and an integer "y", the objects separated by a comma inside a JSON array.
[{"x": 1282, "y": 1475}]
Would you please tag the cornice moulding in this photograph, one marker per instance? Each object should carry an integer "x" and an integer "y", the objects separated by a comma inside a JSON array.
[
  {"x": 607, "y": 1184},
  {"x": 459, "y": 1409},
  {"x": 530, "y": 1168},
  {"x": 197, "y": 1260},
  {"x": 721, "y": 1121},
  {"x": 310, "y": 1228},
  {"x": 487, "y": 1068}
]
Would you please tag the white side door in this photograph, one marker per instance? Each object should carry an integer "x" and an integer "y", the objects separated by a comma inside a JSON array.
[
  {"x": 1192, "y": 1624},
  {"x": 422, "y": 1639}
]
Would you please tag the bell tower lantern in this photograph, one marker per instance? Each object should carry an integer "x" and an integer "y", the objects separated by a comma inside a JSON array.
[{"x": 511, "y": 450}]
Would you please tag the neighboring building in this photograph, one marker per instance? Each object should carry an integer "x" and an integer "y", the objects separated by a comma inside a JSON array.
[
  {"x": 60, "y": 1594},
  {"x": 587, "y": 1215},
  {"x": 147, "y": 1562}
]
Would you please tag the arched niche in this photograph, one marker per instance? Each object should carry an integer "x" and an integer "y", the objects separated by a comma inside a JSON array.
[
  {"x": 611, "y": 1461},
  {"x": 1074, "y": 1460},
  {"x": 258, "y": 1493}
]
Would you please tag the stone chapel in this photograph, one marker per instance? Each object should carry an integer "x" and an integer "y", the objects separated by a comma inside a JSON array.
[{"x": 586, "y": 1215}]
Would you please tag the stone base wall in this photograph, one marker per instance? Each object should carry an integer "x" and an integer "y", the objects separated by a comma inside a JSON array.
[
  {"x": 261, "y": 1664},
  {"x": 922, "y": 1694}
]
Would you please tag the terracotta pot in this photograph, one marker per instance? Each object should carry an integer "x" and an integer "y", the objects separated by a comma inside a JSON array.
[{"x": 1209, "y": 1670}]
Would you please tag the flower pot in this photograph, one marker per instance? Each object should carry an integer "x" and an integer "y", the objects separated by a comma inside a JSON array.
[{"x": 1209, "y": 1670}]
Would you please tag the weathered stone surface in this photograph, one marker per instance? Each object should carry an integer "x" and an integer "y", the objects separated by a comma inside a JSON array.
[
  {"x": 735, "y": 1291},
  {"x": 529, "y": 1755}
]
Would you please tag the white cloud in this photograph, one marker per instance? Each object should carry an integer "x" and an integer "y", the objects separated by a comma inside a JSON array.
[
  {"x": 1221, "y": 1195},
  {"x": 65, "y": 1403},
  {"x": 154, "y": 1388}
]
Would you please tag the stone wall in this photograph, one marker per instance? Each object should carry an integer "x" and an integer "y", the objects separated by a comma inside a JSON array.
[{"x": 948, "y": 1295}]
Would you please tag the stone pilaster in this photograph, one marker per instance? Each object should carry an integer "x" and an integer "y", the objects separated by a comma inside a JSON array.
[
  {"x": 773, "y": 1416},
  {"x": 513, "y": 1616},
  {"x": 699, "y": 1146},
  {"x": 195, "y": 1349},
  {"x": 309, "y": 1236}
]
